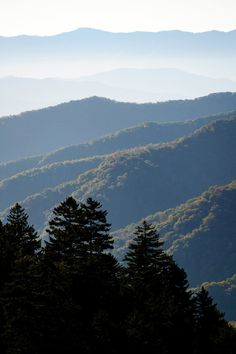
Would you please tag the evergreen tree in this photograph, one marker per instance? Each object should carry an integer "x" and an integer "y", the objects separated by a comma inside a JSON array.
[
  {"x": 87, "y": 277},
  {"x": 211, "y": 327},
  {"x": 162, "y": 307},
  {"x": 95, "y": 234},
  {"x": 21, "y": 247},
  {"x": 21, "y": 237},
  {"x": 145, "y": 258},
  {"x": 64, "y": 232}
]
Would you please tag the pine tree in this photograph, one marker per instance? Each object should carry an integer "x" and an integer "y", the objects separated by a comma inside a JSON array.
[
  {"x": 145, "y": 258},
  {"x": 95, "y": 234},
  {"x": 211, "y": 327},
  {"x": 84, "y": 275},
  {"x": 147, "y": 264},
  {"x": 21, "y": 237},
  {"x": 162, "y": 308},
  {"x": 64, "y": 232},
  {"x": 21, "y": 247}
]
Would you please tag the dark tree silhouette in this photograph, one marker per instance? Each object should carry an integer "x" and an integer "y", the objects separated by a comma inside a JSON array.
[{"x": 72, "y": 295}]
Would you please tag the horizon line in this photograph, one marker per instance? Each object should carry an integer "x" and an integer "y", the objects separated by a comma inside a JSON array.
[{"x": 112, "y": 32}]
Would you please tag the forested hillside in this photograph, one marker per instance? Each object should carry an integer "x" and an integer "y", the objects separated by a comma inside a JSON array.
[
  {"x": 38, "y": 132},
  {"x": 145, "y": 133},
  {"x": 199, "y": 233},
  {"x": 150, "y": 178}
]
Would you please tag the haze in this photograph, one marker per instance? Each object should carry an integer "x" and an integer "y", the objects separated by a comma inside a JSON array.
[{"x": 43, "y": 17}]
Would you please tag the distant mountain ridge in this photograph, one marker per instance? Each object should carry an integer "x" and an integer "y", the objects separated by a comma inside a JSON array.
[
  {"x": 87, "y": 51},
  {"x": 134, "y": 42},
  {"x": 38, "y": 132},
  {"x": 127, "y": 85}
]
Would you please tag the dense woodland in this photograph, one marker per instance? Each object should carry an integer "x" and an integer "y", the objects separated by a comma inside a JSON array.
[{"x": 71, "y": 295}]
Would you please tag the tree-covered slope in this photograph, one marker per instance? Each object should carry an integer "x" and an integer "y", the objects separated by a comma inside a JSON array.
[
  {"x": 31, "y": 181},
  {"x": 145, "y": 133},
  {"x": 38, "y": 132},
  {"x": 199, "y": 233},
  {"x": 202, "y": 238},
  {"x": 143, "y": 180},
  {"x": 138, "y": 182}
]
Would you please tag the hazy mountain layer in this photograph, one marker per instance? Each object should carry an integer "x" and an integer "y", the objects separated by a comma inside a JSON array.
[
  {"x": 129, "y": 85},
  {"x": 35, "y": 180},
  {"x": 88, "y": 51},
  {"x": 141, "y": 181},
  {"x": 143, "y": 134},
  {"x": 38, "y": 132}
]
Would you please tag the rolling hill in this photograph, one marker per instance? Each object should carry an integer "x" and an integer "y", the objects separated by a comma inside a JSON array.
[
  {"x": 143, "y": 134},
  {"x": 201, "y": 236},
  {"x": 140, "y": 181},
  {"x": 200, "y": 233},
  {"x": 38, "y": 132}
]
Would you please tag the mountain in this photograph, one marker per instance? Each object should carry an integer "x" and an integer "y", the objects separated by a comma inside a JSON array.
[
  {"x": 24, "y": 94},
  {"x": 129, "y": 85},
  {"x": 163, "y": 83},
  {"x": 87, "y": 51},
  {"x": 201, "y": 235},
  {"x": 140, "y": 181},
  {"x": 21, "y": 178},
  {"x": 91, "y": 40},
  {"x": 143, "y": 134},
  {"x": 34, "y": 180},
  {"x": 38, "y": 132}
]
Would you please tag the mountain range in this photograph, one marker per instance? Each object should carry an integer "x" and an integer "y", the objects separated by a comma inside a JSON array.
[
  {"x": 88, "y": 51},
  {"x": 176, "y": 171},
  {"x": 164, "y": 165},
  {"x": 201, "y": 236},
  {"x": 38, "y": 132},
  {"x": 127, "y": 85}
]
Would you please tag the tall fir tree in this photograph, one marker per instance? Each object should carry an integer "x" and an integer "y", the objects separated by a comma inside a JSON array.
[
  {"x": 87, "y": 276},
  {"x": 212, "y": 330},
  {"x": 18, "y": 294},
  {"x": 21, "y": 237},
  {"x": 64, "y": 231},
  {"x": 96, "y": 229},
  {"x": 162, "y": 307}
]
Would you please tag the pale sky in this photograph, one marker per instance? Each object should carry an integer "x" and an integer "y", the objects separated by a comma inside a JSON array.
[{"x": 46, "y": 17}]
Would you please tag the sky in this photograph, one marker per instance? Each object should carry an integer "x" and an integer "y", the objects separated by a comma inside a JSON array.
[{"x": 48, "y": 17}]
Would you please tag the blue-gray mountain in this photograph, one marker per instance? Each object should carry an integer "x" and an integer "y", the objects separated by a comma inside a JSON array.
[
  {"x": 133, "y": 181},
  {"x": 25, "y": 177},
  {"x": 143, "y": 179},
  {"x": 127, "y": 85},
  {"x": 88, "y": 51},
  {"x": 86, "y": 40},
  {"x": 201, "y": 235},
  {"x": 38, "y": 132}
]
